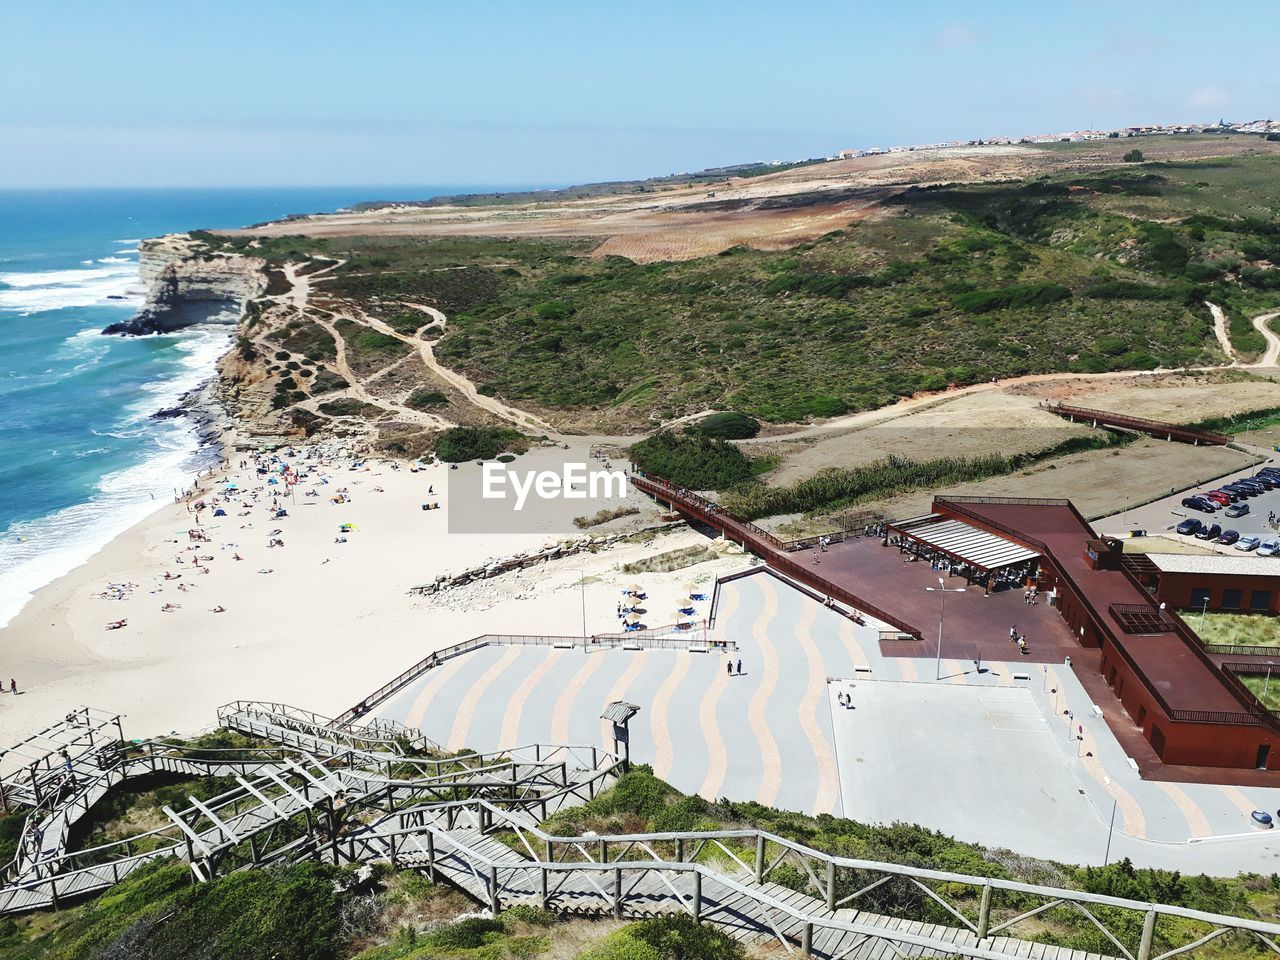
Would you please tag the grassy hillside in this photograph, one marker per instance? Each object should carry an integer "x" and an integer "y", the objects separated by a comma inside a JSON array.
[{"x": 950, "y": 285}]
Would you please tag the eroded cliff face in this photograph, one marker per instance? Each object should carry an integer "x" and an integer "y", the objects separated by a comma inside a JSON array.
[{"x": 186, "y": 286}]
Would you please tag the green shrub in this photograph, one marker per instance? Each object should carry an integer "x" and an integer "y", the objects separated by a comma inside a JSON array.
[
  {"x": 424, "y": 399},
  {"x": 1133, "y": 156},
  {"x": 727, "y": 426},
  {"x": 1016, "y": 295},
  {"x": 326, "y": 381},
  {"x": 534, "y": 916},
  {"x": 465, "y": 934},
  {"x": 460, "y": 444},
  {"x": 696, "y": 462},
  {"x": 680, "y": 937}
]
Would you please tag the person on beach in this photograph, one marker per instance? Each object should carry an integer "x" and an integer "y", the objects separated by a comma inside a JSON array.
[
  {"x": 739, "y": 668},
  {"x": 729, "y": 668},
  {"x": 13, "y": 685}
]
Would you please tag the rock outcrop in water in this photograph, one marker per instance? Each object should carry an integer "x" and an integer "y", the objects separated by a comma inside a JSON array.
[{"x": 186, "y": 287}]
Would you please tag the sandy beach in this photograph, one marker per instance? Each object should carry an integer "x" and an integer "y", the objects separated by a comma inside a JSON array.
[{"x": 329, "y": 622}]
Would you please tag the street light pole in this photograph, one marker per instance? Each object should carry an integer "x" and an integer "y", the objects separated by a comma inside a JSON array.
[
  {"x": 1267, "y": 682},
  {"x": 1106, "y": 857},
  {"x": 1203, "y": 610},
  {"x": 941, "y": 588}
]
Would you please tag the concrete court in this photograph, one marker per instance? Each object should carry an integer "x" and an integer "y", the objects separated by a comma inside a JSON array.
[{"x": 966, "y": 754}]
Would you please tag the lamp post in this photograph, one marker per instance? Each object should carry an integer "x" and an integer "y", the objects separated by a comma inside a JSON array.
[
  {"x": 1267, "y": 682},
  {"x": 1106, "y": 858},
  {"x": 941, "y": 588},
  {"x": 1204, "y": 608}
]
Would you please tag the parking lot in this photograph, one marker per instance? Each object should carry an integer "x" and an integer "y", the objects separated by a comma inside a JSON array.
[{"x": 1162, "y": 517}]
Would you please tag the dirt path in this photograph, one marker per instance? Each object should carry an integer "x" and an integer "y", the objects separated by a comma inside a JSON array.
[
  {"x": 357, "y": 391},
  {"x": 1272, "y": 357},
  {"x": 1220, "y": 331},
  {"x": 426, "y": 349}
]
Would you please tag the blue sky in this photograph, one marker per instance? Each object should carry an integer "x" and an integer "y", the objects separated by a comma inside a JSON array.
[{"x": 278, "y": 92}]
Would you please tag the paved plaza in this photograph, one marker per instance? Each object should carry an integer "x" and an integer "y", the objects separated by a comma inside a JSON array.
[{"x": 986, "y": 756}]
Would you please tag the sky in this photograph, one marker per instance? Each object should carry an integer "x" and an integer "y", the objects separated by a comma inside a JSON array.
[{"x": 551, "y": 92}]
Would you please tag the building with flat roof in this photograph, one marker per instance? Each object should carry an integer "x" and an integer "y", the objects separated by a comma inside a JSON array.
[
  {"x": 1190, "y": 710},
  {"x": 1244, "y": 584}
]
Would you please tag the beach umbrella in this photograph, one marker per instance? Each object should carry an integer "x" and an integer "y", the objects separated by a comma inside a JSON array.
[
  {"x": 693, "y": 588},
  {"x": 635, "y": 588},
  {"x": 632, "y": 618},
  {"x": 680, "y": 615}
]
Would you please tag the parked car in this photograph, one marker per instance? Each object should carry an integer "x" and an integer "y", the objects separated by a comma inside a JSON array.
[
  {"x": 1218, "y": 497},
  {"x": 1190, "y": 526},
  {"x": 1237, "y": 510},
  {"x": 1269, "y": 547},
  {"x": 1209, "y": 532},
  {"x": 1266, "y": 480},
  {"x": 1193, "y": 503},
  {"x": 1229, "y": 494},
  {"x": 1248, "y": 543},
  {"x": 1228, "y": 537}
]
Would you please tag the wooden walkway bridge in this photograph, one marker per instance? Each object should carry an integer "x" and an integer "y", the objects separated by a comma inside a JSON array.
[
  {"x": 354, "y": 794},
  {"x": 1155, "y": 428}
]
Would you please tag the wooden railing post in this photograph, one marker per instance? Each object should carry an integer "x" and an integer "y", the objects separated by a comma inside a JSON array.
[
  {"x": 617, "y": 892},
  {"x": 759, "y": 858},
  {"x": 495, "y": 901},
  {"x": 697, "y": 896},
  {"x": 1148, "y": 935},
  {"x": 431, "y": 856},
  {"x": 984, "y": 912},
  {"x": 831, "y": 885},
  {"x": 806, "y": 941},
  {"x": 543, "y": 898}
]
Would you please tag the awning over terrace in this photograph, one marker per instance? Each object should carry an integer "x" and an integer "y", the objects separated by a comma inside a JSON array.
[{"x": 960, "y": 541}]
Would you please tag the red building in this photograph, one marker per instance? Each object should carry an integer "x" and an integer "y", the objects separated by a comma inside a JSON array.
[
  {"x": 1188, "y": 709},
  {"x": 1243, "y": 584}
]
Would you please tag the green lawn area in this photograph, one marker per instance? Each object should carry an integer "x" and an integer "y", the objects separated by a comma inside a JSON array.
[
  {"x": 1266, "y": 691},
  {"x": 1237, "y": 628}
]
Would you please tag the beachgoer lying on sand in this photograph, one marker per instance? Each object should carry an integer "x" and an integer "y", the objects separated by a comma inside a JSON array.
[
  {"x": 236, "y": 556},
  {"x": 116, "y": 624},
  {"x": 170, "y": 607},
  {"x": 265, "y": 570},
  {"x": 219, "y": 609}
]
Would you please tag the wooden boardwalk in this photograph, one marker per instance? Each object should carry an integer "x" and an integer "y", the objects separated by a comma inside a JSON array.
[{"x": 346, "y": 807}]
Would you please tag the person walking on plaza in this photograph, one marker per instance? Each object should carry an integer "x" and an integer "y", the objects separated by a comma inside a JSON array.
[
  {"x": 729, "y": 668},
  {"x": 739, "y": 668}
]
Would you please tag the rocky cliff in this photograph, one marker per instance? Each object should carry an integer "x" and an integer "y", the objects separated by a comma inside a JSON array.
[{"x": 186, "y": 286}]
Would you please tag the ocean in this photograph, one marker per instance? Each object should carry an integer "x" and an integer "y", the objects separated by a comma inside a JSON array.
[{"x": 81, "y": 460}]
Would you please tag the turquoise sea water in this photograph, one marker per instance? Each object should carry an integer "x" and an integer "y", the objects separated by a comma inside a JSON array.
[{"x": 80, "y": 458}]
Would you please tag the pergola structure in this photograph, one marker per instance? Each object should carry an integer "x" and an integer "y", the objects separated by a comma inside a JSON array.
[{"x": 964, "y": 549}]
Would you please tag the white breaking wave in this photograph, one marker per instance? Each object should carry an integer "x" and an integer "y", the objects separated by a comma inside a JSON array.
[
  {"x": 55, "y": 289},
  {"x": 35, "y": 553},
  {"x": 115, "y": 260}
]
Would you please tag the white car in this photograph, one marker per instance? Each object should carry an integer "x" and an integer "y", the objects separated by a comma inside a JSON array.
[
  {"x": 1248, "y": 543},
  {"x": 1269, "y": 548}
]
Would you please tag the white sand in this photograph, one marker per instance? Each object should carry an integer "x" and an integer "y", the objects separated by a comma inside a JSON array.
[{"x": 330, "y": 623}]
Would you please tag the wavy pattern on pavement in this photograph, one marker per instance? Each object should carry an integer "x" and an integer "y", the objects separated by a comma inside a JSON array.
[
  {"x": 564, "y": 703},
  {"x": 437, "y": 679},
  {"x": 815, "y": 696},
  {"x": 770, "y": 758},
  {"x": 510, "y": 736},
  {"x": 660, "y": 720},
  {"x": 467, "y": 709},
  {"x": 717, "y": 757}
]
